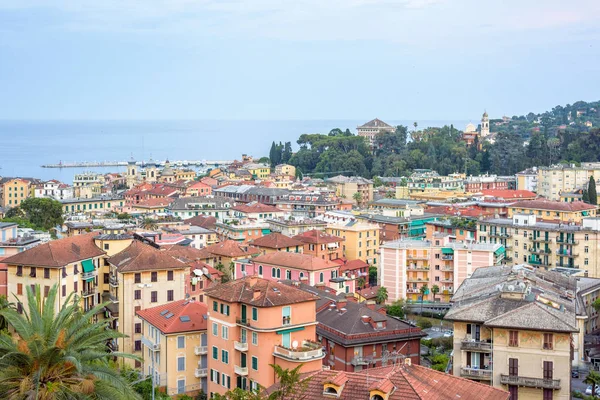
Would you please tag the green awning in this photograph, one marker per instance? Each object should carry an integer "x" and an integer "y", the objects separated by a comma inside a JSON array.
[
  {"x": 88, "y": 265},
  {"x": 446, "y": 250},
  {"x": 501, "y": 250},
  {"x": 290, "y": 330}
]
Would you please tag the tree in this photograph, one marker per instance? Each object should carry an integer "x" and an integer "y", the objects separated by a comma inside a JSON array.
[
  {"x": 5, "y": 305},
  {"x": 435, "y": 289},
  {"x": 361, "y": 282},
  {"x": 424, "y": 289},
  {"x": 592, "y": 191},
  {"x": 585, "y": 196},
  {"x": 592, "y": 378},
  {"x": 396, "y": 309},
  {"x": 290, "y": 383},
  {"x": 42, "y": 212},
  {"x": 382, "y": 295},
  {"x": 149, "y": 224},
  {"x": 373, "y": 276},
  {"x": 59, "y": 355},
  {"x": 358, "y": 197},
  {"x": 596, "y": 304}
]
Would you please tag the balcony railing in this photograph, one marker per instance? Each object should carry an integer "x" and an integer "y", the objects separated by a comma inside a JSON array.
[
  {"x": 542, "y": 239},
  {"x": 201, "y": 372},
  {"x": 412, "y": 290},
  {"x": 476, "y": 373},
  {"x": 448, "y": 258},
  {"x": 564, "y": 240},
  {"x": 240, "y": 346},
  {"x": 420, "y": 257},
  {"x": 530, "y": 382},
  {"x": 564, "y": 253},
  {"x": 150, "y": 344},
  {"x": 539, "y": 250},
  {"x": 476, "y": 345},
  {"x": 198, "y": 350},
  {"x": 113, "y": 281},
  {"x": 359, "y": 361},
  {"x": 88, "y": 275},
  {"x": 243, "y": 371},
  {"x": 307, "y": 352},
  {"x": 243, "y": 321},
  {"x": 89, "y": 292},
  {"x": 567, "y": 265}
]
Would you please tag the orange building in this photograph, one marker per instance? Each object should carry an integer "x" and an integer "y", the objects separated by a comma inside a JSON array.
[
  {"x": 199, "y": 189},
  {"x": 277, "y": 242},
  {"x": 320, "y": 244},
  {"x": 255, "y": 322}
]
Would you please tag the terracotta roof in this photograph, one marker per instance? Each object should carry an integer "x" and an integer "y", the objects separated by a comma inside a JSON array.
[
  {"x": 376, "y": 123},
  {"x": 156, "y": 202},
  {"x": 143, "y": 257},
  {"x": 258, "y": 292},
  {"x": 369, "y": 292},
  {"x": 58, "y": 253},
  {"x": 255, "y": 208},
  {"x": 276, "y": 240},
  {"x": 215, "y": 274},
  {"x": 315, "y": 236},
  {"x": 354, "y": 264},
  {"x": 306, "y": 262},
  {"x": 202, "y": 221},
  {"x": 184, "y": 253},
  {"x": 199, "y": 185},
  {"x": 554, "y": 205},
  {"x": 229, "y": 248},
  {"x": 171, "y": 317},
  {"x": 509, "y": 194},
  {"x": 401, "y": 382}
]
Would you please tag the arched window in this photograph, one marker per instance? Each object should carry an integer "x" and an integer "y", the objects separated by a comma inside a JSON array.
[
  {"x": 321, "y": 277},
  {"x": 331, "y": 391},
  {"x": 288, "y": 274},
  {"x": 260, "y": 270},
  {"x": 278, "y": 273},
  {"x": 301, "y": 275},
  {"x": 274, "y": 272}
]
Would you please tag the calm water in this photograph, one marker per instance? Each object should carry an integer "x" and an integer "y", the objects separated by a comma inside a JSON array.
[{"x": 26, "y": 145}]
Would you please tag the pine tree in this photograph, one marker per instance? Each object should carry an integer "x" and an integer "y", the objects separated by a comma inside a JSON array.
[
  {"x": 272, "y": 154},
  {"x": 592, "y": 191}
]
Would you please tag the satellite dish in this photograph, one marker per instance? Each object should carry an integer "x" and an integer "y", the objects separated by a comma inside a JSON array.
[{"x": 295, "y": 344}]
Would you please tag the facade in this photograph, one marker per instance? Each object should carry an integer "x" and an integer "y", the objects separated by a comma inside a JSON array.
[
  {"x": 361, "y": 240},
  {"x": 243, "y": 231},
  {"x": 554, "y": 211},
  {"x": 397, "y": 208},
  {"x": 198, "y": 189},
  {"x": 305, "y": 205},
  {"x": 255, "y": 322},
  {"x": 217, "y": 207},
  {"x": 14, "y": 191},
  {"x": 372, "y": 128},
  {"x": 292, "y": 227},
  {"x": 517, "y": 331},
  {"x": 554, "y": 180},
  {"x": 176, "y": 329},
  {"x": 258, "y": 171},
  {"x": 348, "y": 187},
  {"x": 226, "y": 253},
  {"x": 408, "y": 265},
  {"x": 92, "y": 205},
  {"x": 54, "y": 189},
  {"x": 256, "y": 211},
  {"x": 276, "y": 241},
  {"x": 528, "y": 179},
  {"x": 321, "y": 244},
  {"x": 285, "y": 169},
  {"x": 475, "y": 184}
]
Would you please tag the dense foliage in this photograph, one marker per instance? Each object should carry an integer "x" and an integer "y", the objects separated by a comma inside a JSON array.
[
  {"x": 37, "y": 213},
  {"x": 560, "y": 135}
]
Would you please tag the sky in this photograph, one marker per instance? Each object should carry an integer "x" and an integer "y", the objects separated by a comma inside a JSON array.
[{"x": 295, "y": 59}]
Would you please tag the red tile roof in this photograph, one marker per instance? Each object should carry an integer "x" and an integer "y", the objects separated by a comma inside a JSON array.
[
  {"x": 554, "y": 205},
  {"x": 305, "y": 262},
  {"x": 58, "y": 253},
  {"x": 316, "y": 236},
  {"x": 229, "y": 248},
  {"x": 156, "y": 202},
  {"x": 202, "y": 221},
  {"x": 401, "y": 382},
  {"x": 509, "y": 194},
  {"x": 255, "y": 208},
  {"x": 259, "y": 292},
  {"x": 276, "y": 240},
  {"x": 170, "y": 318},
  {"x": 139, "y": 256},
  {"x": 353, "y": 265}
]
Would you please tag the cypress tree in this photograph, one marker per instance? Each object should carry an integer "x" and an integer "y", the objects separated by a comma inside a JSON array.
[
  {"x": 585, "y": 197},
  {"x": 592, "y": 191}
]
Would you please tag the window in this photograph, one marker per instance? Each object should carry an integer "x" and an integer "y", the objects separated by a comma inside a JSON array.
[
  {"x": 180, "y": 386},
  {"x": 260, "y": 270},
  {"x": 46, "y": 273},
  {"x": 437, "y": 267},
  {"x": 19, "y": 288},
  {"x": 64, "y": 290},
  {"x": 214, "y": 376},
  {"x": 137, "y": 278},
  {"x": 106, "y": 278},
  {"x": 169, "y": 275},
  {"x": 153, "y": 296},
  {"x": 321, "y": 277},
  {"x": 513, "y": 338},
  {"x": 254, "y": 314},
  {"x": 106, "y": 246},
  {"x": 169, "y": 295},
  {"x": 33, "y": 272},
  {"x": 215, "y": 353},
  {"x": 273, "y": 273},
  {"x": 514, "y": 392},
  {"x": 548, "y": 341},
  {"x": 154, "y": 276},
  {"x": 587, "y": 237},
  {"x": 437, "y": 278},
  {"x": 586, "y": 249},
  {"x": 224, "y": 356},
  {"x": 548, "y": 367},
  {"x": 181, "y": 342},
  {"x": 586, "y": 261},
  {"x": 138, "y": 345},
  {"x": 224, "y": 309},
  {"x": 19, "y": 270},
  {"x": 215, "y": 306},
  {"x": 137, "y": 294},
  {"x": 255, "y": 338},
  {"x": 181, "y": 363},
  {"x": 138, "y": 327},
  {"x": 254, "y": 363},
  {"x": 513, "y": 367},
  {"x": 215, "y": 329},
  {"x": 225, "y": 332},
  {"x": 46, "y": 291}
]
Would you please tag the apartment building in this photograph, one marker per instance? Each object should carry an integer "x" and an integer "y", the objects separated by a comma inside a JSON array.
[
  {"x": 397, "y": 208},
  {"x": 408, "y": 265},
  {"x": 256, "y": 211},
  {"x": 255, "y": 322},
  {"x": 557, "y": 179},
  {"x": 188, "y": 207},
  {"x": 103, "y": 203},
  {"x": 321, "y": 244},
  {"x": 293, "y": 227},
  {"x": 305, "y": 204},
  {"x": 176, "y": 346},
  {"x": 348, "y": 187},
  {"x": 554, "y": 211},
  {"x": 226, "y": 252},
  {"x": 516, "y": 328},
  {"x": 13, "y": 191},
  {"x": 545, "y": 244},
  {"x": 277, "y": 242},
  {"x": 361, "y": 240},
  {"x": 527, "y": 179}
]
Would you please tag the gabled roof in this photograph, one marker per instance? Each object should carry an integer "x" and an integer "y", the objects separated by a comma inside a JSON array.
[
  {"x": 139, "y": 256},
  {"x": 258, "y": 292},
  {"x": 375, "y": 123},
  {"x": 276, "y": 240},
  {"x": 315, "y": 236},
  {"x": 177, "y": 317},
  {"x": 206, "y": 222},
  {"x": 256, "y": 208},
  {"x": 229, "y": 248},
  {"x": 353, "y": 265},
  {"x": 554, "y": 205},
  {"x": 58, "y": 253},
  {"x": 305, "y": 262}
]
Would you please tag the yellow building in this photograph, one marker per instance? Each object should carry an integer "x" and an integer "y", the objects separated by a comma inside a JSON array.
[
  {"x": 361, "y": 240},
  {"x": 554, "y": 211},
  {"x": 176, "y": 329},
  {"x": 185, "y": 175},
  {"x": 438, "y": 195},
  {"x": 285, "y": 169},
  {"x": 258, "y": 171},
  {"x": 14, "y": 191},
  {"x": 348, "y": 187},
  {"x": 516, "y": 331},
  {"x": 554, "y": 180}
]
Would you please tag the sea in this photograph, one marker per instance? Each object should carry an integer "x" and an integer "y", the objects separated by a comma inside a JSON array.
[{"x": 26, "y": 145}]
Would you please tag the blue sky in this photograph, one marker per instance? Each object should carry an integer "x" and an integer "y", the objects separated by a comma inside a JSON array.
[{"x": 299, "y": 59}]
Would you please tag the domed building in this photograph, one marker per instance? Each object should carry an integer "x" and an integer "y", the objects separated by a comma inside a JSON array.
[
  {"x": 470, "y": 128},
  {"x": 167, "y": 175}
]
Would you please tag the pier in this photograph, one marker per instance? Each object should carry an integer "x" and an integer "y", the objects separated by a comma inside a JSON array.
[{"x": 102, "y": 164}]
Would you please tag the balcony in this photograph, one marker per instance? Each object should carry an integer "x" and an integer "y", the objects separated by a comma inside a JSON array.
[
  {"x": 419, "y": 268},
  {"x": 530, "y": 382},
  {"x": 242, "y": 321},
  {"x": 564, "y": 253},
  {"x": 89, "y": 275},
  {"x": 359, "y": 361},
  {"x": 201, "y": 372},
  {"x": 307, "y": 352},
  {"x": 542, "y": 239},
  {"x": 476, "y": 345},
  {"x": 412, "y": 279},
  {"x": 242, "y": 371},
  {"x": 476, "y": 373},
  {"x": 499, "y": 234},
  {"x": 150, "y": 345},
  {"x": 113, "y": 281},
  {"x": 412, "y": 290},
  {"x": 418, "y": 257},
  {"x": 447, "y": 280},
  {"x": 448, "y": 268},
  {"x": 240, "y": 346},
  {"x": 567, "y": 265},
  {"x": 539, "y": 250},
  {"x": 448, "y": 258},
  {"x": 199, "y": 350},
  {"x": 89, "y": 292},
  {"x": 113, "y": 297},
  {"x": 565, "y": 240}
]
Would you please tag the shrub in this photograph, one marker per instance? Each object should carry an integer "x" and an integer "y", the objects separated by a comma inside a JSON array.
[{"x": 423, "y": 323}]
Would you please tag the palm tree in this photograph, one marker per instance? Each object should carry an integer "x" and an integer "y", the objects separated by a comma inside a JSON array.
[
  {"x": 149, "y": 224},
  {"x": 59, "y": 355},
  {"x": 435, "y": 289},
  {"x": 592, "y": 378},
  {"x": 382, "y": 295},
  {"x": 358, "y": 197},
  {"x": 361, "y": 282},
  {"x": 5, "y": 305},
  {"x": 423, "y": 291}
]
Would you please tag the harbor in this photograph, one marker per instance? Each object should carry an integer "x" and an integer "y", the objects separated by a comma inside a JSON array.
[{"x": 103, "y": 164}]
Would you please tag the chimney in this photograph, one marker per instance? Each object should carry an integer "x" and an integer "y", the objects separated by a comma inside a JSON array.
[
  {"x": 341, "y": 304},
  {"x": 252, "y": 280},
  {"x": 365, "y": 319},
  {"x": 256, "y": 294}
]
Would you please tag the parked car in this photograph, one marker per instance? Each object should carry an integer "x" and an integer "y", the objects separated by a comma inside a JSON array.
[
  {"x": 448, "y": 334},
  {"x": 588, "y": 390}
]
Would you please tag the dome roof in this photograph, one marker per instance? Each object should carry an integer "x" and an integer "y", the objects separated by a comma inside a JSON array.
[{"x": 470, "y": 128}]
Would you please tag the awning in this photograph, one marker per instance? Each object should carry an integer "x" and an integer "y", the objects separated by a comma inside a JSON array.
[
  {"x": 290, "y": 330},
  {"x": 88, "y": 265},
  {"x": 501, "y": 250},
  {"x": 446, "y": 250}
]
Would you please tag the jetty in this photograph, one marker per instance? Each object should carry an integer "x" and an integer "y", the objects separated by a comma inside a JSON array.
[{"x": 102, "y": 164}]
